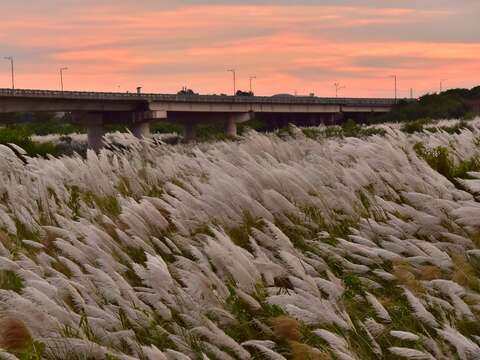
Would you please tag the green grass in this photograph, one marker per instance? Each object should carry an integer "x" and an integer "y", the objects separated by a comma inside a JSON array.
[
  {"x": 164, "y": 127},
  {"x": 415, "y": 126},
  {"x": 454, "y": 129},
  {"x": 422, "y": 125},
  {"x": 353, "y": 286},
  {"x": 240, "y": 234},
  {"x": 340, "y": 227},
  {"x": 22, "y": 137},
  {"x": 348, "y": 129},
  {"x": 40, "y": 123},
  {"x": 51, "y": 127},
  {"x": 10, "y": 281},
  {"x": 245, "y": 328},
  {"x": 35, "y": 351},
  {"x": 440, "y": 159},
  {"x": 107, "y": 204}
]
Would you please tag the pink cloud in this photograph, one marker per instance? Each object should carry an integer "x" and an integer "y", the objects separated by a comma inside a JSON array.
[{"x": 286, "y": 47}]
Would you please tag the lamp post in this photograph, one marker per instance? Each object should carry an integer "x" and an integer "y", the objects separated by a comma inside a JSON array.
[
  {"x": 395, "y": 79},
  {"x": 61, "y": 76},
  {"x": 251, "y": 78},
  {"x": 337, "y": 88},
  {"x": 234, "y": 85},
  {"x": 13, "y": 74}
]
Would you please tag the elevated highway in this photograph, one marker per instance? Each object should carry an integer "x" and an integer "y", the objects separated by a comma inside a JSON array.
[{"x": 137, "y": 110}]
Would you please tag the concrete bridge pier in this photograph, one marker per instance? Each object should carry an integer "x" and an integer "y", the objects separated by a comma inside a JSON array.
[
  {"x": 231, "y": 127},
  {"x": 140, "y": 129},
  {"x": 233, "y": 120},
  {"x": 94, "y": 123},
  {"x": 189, "y": 131},
  {"x": 95, "y": 131},
  {"x": 139, "y": 123}
]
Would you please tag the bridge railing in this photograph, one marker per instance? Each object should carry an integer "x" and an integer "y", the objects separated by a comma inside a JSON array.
[{"x": 87, "y": 95}]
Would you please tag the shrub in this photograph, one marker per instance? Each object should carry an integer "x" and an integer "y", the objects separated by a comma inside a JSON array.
[
  {"x": 351, "y": 129},
  {"x": 51, "y": 127},
  {"x": 447, "y": 105},
  {"x": 21, "y": 137},
  {"x": 333, "y": 131},
  {"x": 415, "y": 126}
]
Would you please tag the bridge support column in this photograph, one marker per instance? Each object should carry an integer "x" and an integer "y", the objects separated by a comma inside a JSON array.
[
  {"x": 233, "y": 120},
  {"x": 140, "y": 130},
  {"x": 95, "y": 137},
  {"x": 94, "y": 123},
  {"x": 231, "y": 127},
  {"x": 189, "y": 131}
]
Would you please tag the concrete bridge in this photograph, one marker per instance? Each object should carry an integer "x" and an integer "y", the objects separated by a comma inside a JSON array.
[{"x": 96, "y": 109}]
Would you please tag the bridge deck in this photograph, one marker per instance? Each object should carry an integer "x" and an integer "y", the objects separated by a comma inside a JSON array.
[{"x": 117, "y": 96}]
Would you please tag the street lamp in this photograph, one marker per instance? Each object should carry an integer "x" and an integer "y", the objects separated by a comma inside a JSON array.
[
  {"x": 337, "y": 88},
  {"x": 61, "y": 76},
  {"x": 234, "y": 85},
  {"x": 13, "y": 75},
  {"x": 395, "y": 79},
  {"x": 441, "y": 84},
  {"x": 251, "y": 78}
]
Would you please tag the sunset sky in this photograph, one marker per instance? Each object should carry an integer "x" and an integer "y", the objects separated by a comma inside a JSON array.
[{"x": 304, "y": 46}]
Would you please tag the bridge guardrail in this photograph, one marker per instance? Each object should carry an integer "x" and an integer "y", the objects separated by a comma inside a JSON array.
[{"x": 87, "y": 95}]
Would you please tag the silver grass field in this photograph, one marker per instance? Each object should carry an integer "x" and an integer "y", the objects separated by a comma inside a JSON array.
[{"x": 267, "y": 247}]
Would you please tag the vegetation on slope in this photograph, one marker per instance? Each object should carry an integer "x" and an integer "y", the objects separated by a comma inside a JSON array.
[{"x": 450, "y": 104}]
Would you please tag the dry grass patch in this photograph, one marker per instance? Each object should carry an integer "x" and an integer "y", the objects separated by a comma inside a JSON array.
[
  {"x": 285, "y": 327},
  {"x": 464, "y": 273},
  {"x": 429, "y": 272},
  {"x": 407, "y": 276},
  {"x": 300, "y": 351},
  {"x": 14, "y": 335}
]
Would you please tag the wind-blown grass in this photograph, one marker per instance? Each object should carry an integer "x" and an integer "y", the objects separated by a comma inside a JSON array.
[{"x": 264, "y": 248}]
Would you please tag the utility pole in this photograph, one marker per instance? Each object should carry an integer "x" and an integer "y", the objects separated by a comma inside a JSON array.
[
  {"x": 234, "y": 85},
  {"x": 395, "y": 79},
  {"x": 13, "y": 74},
  {"x": 61, "y": 76},
  {"x": 338, "y": 87},
  {"x": 251, "y": 78},
  {"x": 411, "y": 93}
]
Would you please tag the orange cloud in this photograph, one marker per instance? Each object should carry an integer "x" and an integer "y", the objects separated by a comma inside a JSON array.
[{"x": 303, "y": 48}]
